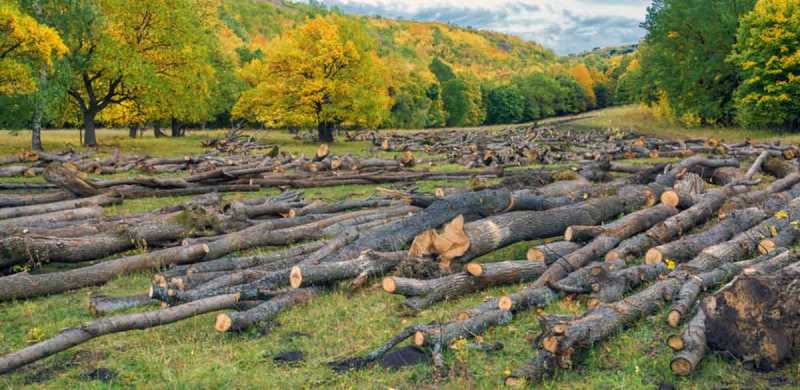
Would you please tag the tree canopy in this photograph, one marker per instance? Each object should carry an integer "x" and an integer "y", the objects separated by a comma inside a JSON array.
[
  {"x": 24, "y": 43},
  {"x": 767, "y": 54},
  {"x": 320, "y": 75}
]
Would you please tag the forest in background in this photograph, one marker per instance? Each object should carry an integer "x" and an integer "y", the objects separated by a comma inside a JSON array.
[
  {"x": 220, "y": 63},
  {"x": 276, "y": 64}
]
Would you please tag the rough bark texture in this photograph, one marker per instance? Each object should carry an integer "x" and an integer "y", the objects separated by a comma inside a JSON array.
[
  {"x": 102, "y": 305},
  {"x": 614, "y": 233},
  {"x": 689, "y": 246},
  {"x": 549, "y": 253},
  {"x": 672, "y": 227},
  {"x": 694, "y": 346},
  {"x": 75, "y": 336},
  {"x": 267, "y": 311}
]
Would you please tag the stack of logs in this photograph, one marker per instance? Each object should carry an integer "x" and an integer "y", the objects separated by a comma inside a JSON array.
[{"x": 428, "y": 247}]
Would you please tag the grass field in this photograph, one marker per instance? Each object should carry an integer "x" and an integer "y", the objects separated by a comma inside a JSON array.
[{"x": 190, "y": 354}]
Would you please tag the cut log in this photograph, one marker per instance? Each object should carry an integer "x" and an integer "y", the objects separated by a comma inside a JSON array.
[
  {"x": 369, "y": 263},
  {"x": 690, "y": 246},
  {"x": 267, "y": 311},
  {"x": 614, "y": 233},
  {"x": 614, "y": 286},
  {"x": 34, "y": 199},
  {"x": 779, "y": 167},
  {"x": 674, "y": 226},
  {"x": 489, "y": 234},
  {"x": 780, "y": 191},
  {"x": 693, "y": 346},
  {"x": 582, "y": 234},
  {"x": 24, "y": 285},
  {"x": 756, "y": 318},
  {"x": 69, "y": 179},
  {"x": 685, "y": 192},
  {"x": 549, "y": 253},
  {"x": 11, "y": 225},
  {"x": 478, "y": 277},
  {"x": 435, "y": 335},
  {"x": 75, "y": 336},
  {"x": 102, "y": 305},
  {"x": 24, "y": 211}
]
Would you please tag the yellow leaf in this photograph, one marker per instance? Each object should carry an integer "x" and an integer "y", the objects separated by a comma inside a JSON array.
[
  {"x": 773, "y": 230},
  {"x": 783, "y": 214},
  {"x": 671, "y": 264}
]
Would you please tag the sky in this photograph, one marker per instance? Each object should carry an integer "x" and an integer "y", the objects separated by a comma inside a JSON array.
[{"x": 566, "y": 26}]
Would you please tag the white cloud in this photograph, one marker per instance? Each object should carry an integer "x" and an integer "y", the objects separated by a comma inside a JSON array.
[{"x": 567, "y": 26}]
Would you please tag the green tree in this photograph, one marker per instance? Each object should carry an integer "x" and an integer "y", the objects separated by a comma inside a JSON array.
[
  {"x": 463, "y": 102},
  {"x": 540, "y": 92},
  {"x": 767, "y": 54},
  {"x": 687, "y": 44},
  {"x": 123, "y": 51},
  {"x": 441, "y": 70},
  {"x": 504, "y": 104},
  {"x": 318, "y": 75}
]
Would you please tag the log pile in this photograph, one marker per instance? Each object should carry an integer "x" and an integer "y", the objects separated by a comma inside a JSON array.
[{"x": 428, "y": 247}]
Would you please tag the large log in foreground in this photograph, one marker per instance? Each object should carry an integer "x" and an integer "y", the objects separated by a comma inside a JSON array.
[
  {"x": 757, "y": 318},
  {"x": 75, "y": 336}
]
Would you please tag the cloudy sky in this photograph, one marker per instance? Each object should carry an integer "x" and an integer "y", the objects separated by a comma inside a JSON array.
[{"x": 566, "y": 26}]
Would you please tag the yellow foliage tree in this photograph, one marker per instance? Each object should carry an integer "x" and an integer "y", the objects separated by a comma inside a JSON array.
[
  {"x": 24, "y": 43},
  {"x": 322, "y": 74},
  {"x": 583, "y": 76}
]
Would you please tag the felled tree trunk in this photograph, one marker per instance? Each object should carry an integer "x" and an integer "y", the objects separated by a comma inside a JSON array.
[
  {"x": 34, "y": 199},
  {"x": 757, "y": 319},
  {"x": 101, "y": 305},
  {"x": 237, "y": 321},
  {"x": 489, "y": 234},
  {"x": 24, "y": 211},
  {"x": 690, "y": 246},
  {"x": 69, "y": 180},
  {"x": 549, "y": 253},
  {"x": 614, "y": 233},
  {"x": 693, "y": 346},
  {"x": 672, "y": 227},
  {"x": 11, "y": 225},
  {"x": 75, "y": 336},
  {"x": 690, "y": 291}
]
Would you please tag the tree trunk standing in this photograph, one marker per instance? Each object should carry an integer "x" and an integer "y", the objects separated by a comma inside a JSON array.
[
  {"x": 38, "y": 112},
  {"x": 133, "y": 131},
  {"x": 157, "y": 130},
  {"x": 38, "y": 104},
  {"x": 175, "y": 128},
  {"x": 325, "y": 131},
  {"x": 89, "y": 136}
]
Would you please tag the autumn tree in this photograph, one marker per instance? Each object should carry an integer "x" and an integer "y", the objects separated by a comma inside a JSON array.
[
  {"x": 121, "y": 51},
  {"x": 686, "y": 47},
  {"x": 767, "y": 54},
  {"x": 27, "y": 51},
  {"x": 581, "y": 73},
  {"x": 323, "y": 74},
  {"x": 24, "y": 43}
]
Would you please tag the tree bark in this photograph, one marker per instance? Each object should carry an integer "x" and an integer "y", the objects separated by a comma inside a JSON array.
[
  {"x": 693, "y": 342},
  {"x": 325, "y": 131},
  {"x": 89, "y": 135},
  {"x": 674, "y": 226},
  {"x": 267, "y": 311},
  {"x": 614, "y": 233},
  {"x": 75, "y": 336},
  {"x": 549, "y": 253},
  {"x": 101, "y": 305},
  {"x": 690, "y": 246}
]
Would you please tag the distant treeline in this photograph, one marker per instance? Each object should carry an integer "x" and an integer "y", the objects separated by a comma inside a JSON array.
[
  {"x": 721, "y": 62},
  {"x": 220, "y": 63}
]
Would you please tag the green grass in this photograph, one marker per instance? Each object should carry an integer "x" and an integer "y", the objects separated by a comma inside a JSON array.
[
  {"x": 189, "y": 354},
  {"x": 642, "y": 120}
]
